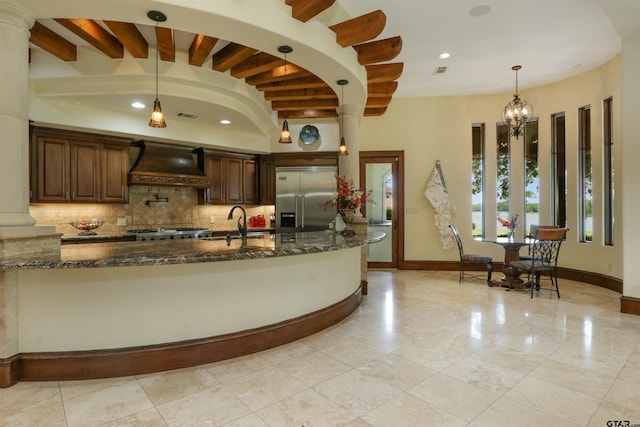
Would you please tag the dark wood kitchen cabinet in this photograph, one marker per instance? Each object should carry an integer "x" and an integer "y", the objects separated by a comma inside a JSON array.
[
  {"x": 70, "y": 167},
  {"x": 267, "y": 180},
  {"x": 233, "y": 179}
]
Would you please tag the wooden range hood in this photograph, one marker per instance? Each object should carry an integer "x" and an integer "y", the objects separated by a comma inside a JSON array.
[{"x": 165, "y": 165}]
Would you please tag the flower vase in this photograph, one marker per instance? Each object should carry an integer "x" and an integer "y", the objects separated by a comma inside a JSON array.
[
  {"x": 511, "y": 235},
  {"x": 347, "y": 216}
]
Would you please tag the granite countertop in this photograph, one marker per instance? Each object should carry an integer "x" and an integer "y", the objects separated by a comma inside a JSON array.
[
  {"x": 137, "y": 253},
  {"x": 98, "y": 238}
]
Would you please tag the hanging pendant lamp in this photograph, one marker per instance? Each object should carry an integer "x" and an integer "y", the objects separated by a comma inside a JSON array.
[
  {"x": 342, "y": 150},
  {"x": 157, "y": 117},
  {"x": 516, "y": 113},
  {"x": 285, "y": 135}
]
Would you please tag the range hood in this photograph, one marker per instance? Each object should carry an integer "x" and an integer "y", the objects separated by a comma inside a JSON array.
[{"x": 165, "y": 165}]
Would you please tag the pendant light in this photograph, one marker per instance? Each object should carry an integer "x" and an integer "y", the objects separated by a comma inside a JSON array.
[
  {"x": 342, "y": 150},
  {"x": 516, "y": 113},
  {"x": 285, "y": 135},
  {"x": 157, "y": 117}
]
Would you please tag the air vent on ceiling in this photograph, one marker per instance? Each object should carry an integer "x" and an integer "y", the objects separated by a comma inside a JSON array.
[
  {"x": 439, "y": 70},
  {"x": 188, "y": 115}
]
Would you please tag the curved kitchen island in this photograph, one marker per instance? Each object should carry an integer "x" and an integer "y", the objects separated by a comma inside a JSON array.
[{"x": 124, "y": 308}]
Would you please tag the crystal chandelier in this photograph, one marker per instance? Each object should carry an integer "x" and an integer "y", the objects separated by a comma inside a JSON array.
[{"x": 516, "y": 113}]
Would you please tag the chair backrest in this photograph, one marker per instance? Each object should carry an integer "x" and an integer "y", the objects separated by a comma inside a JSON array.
[
  {"x": 546, "y": 246},
  {"x": 533, "y": 229},
  {"x": 454, "y": 230}
]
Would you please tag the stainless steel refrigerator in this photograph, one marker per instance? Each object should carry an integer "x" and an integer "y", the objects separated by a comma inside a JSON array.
[{"x": 299, "y": 193}]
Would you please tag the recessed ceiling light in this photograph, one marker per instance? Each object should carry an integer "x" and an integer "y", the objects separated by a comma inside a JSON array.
[
  {"x": 137, "y": 104},
  {"x": 444, "y": 55},
  {"x": 225, "y": 122}
]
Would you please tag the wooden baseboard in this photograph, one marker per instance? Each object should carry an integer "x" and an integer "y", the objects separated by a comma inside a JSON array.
[
  {"x": 630, "y": 305},
  {"x": 77, "y": 365},
  {"x": 597, "y": 279}
]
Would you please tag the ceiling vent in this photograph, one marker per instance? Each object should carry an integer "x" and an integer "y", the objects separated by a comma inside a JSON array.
[
  {"x": 188, "y": 115},
  {"x": 440, "y": 70}
]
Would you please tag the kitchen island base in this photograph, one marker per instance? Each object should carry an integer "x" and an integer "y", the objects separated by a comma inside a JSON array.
[{"x": 114, "y": 321}]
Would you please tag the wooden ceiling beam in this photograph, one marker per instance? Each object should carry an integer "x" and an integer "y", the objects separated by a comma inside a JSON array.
[
  {"x": 377, "y": 102},
  {"x": 381, "y": 89},
  {"x": 379, "y": 50},
  {"x": 305, "y": 104},
  {"x": 95, "y": 35},
  {"x": 308, "y": 114},
  {"x": 370, "y": 112},
  {"x": 303, "y": 10},
  {"x": 130, "y": 37},
  {"x": 200, "y": 48},
  {"x": 384, "y": 72},
  {"x": 278, "y": 75},
  {"x": 52, "y": 43},
  {"x": 230, "y": 56},
  {"x": 256, "y": 64},
  {"x": 360, "y": 29},
  {"x": 166, "y": 43},
  {"x": 299, "y": 94},
  {"x": 301, "y": 83}
]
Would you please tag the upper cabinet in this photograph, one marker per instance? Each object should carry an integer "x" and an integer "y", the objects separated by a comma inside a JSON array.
[
  {"x": 233, "y": 178},
  {"x": 267, "y": 180},
  {"x": 76, "y": 167}
]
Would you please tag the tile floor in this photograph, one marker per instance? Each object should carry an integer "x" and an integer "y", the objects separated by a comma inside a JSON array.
[{"x": 421, "y": 350}]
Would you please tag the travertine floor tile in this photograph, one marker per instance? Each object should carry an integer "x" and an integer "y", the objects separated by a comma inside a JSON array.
[{"x": 421, "y": 350}]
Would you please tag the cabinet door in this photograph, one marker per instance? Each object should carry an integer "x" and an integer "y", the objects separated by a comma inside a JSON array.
[
  {"x": 249, "y": 181},
  {"x": 215, "y": 171},
  {"x": 52, "y": 174},
  {"x": 267, "y": 180},
  {"x": 85, "y": 168},
  {"x": 114, "y": 166},
  {"x": 233, "y": 180}
]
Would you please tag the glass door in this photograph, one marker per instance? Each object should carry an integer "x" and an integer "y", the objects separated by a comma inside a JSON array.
[{"x": 379, "y": 172}]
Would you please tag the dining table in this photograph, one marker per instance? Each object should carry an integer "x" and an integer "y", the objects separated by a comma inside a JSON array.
[{"x": 511, "y": 248}]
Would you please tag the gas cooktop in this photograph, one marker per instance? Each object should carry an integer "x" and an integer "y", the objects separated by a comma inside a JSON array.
[{"x": 177, "y": 233}]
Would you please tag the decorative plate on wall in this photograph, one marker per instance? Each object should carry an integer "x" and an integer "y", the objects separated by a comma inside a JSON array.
[{"x": 309, "y": 134}]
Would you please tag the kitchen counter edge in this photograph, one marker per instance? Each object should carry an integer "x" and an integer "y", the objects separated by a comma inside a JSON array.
[{"x": 140, "y": 253}]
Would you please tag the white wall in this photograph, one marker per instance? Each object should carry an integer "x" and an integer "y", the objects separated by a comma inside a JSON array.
[{"x": 439, "y": 128}]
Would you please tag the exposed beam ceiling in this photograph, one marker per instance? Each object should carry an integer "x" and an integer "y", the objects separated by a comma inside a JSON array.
[{"x": 296, "y": 90}]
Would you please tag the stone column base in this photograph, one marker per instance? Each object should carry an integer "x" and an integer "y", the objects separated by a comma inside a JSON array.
[{"x": 29, "y": 242}]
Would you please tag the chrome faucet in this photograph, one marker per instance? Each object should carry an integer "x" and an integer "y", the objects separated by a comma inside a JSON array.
[{"x": 242, "y": 226}]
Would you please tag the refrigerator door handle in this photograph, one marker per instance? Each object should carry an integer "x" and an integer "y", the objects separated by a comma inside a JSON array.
[
  {"x": 297, "y": 210},
  {"x": 302, "y": 206}
]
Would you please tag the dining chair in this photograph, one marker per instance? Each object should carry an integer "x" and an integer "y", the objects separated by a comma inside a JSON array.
[
  {"x": 471, "y": 258},
  {"x": 544, "y": 258},
  {"x": 532, "y": 233}
]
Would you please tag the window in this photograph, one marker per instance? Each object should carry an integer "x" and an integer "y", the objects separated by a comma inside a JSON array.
[
  {"x": 609, "y": 187},
  {"x": 502, "y": 182},
  {"x": 559, "y": 170},
  {"x": 585, "y": 225},
  {"x": 531, "y": 172},
  {"x": 477, "y": 179}
]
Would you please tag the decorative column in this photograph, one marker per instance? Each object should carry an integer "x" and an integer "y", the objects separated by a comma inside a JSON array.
[
  {"x": 350, "y": 168},
  {"x": 350, "y": 165},
  {"x": 18, "y": 236},
  {"x": 17, "y": 231}
]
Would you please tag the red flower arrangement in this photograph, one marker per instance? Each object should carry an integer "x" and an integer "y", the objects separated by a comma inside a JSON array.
[{"x": 347, "y": 196}]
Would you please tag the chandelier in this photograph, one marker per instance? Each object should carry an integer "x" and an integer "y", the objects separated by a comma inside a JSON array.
[{"x": 516, "y": 113}]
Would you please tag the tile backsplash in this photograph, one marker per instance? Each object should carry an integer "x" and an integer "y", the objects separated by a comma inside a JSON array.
[{"x": 148, "y": 207}]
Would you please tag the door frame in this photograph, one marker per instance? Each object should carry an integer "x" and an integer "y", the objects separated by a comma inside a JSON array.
[{"x": 397, "y": 243}]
